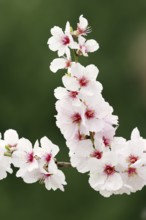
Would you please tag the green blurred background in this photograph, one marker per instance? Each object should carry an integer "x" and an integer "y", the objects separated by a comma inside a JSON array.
[{"x": 27, "y": 101}]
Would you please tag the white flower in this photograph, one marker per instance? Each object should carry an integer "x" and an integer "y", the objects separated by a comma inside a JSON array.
[
  {"x": 54, "y": 180},
  {"x": 106, "y": 136},
  {"x": 133, "y": 160},
  {"x": 5, "y": 162},
  {"x": 82, "y": 150},
  {"x": 61, "y": 63},
  {"x": 70, "y": 118},
  {"x": 86, "y": 47},
  {"x": 47, "y": 153},
  {"x": 104, "y": 175},
  {"x": 61, "y": 41},
  {"x": 62, "y": 94},
  {"x": 49, "y": 172},
  {"x": 24, "y": 158},
  {"x": 73, "y": 97},
  {"x": 83, "y": 79},
  {"x": 82, "y": 26},
  {"x": 96, "y": 114}
]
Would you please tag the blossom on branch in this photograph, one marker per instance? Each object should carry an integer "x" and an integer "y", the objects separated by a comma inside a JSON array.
[
  {"x": 82, "y": 26},
  {"x": 86, "y": 47},
  {"x": 61, "y": 41},
  {"x": 87, "y": 122},
  {"x": 34, "y": 164}
]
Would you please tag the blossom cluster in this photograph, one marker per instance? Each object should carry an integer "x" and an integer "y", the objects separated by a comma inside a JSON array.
[
  {"x": 34, "y": 163},
  {"x": 87, "y": 122},
  {"x": 114, "y": 165},
  {"x": 63, "y": 42}
]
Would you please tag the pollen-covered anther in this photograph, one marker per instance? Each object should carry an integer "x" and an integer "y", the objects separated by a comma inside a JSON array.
[
  {"x": 109, "y": 170},
  {"x": 76, "y": 118},
  {"x": 132, "y": 159},
  {"x": 97, "y": 154},
  {"x": 73, "y": 94},
  {"x": 90, "y": 114},
  {"x": 132, "y": 171}
]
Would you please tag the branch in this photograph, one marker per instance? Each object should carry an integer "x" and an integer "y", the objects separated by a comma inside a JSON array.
[{"x": 64, "y": 164}]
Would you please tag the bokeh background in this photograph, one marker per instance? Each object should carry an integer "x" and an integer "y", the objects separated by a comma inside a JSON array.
[{"x": 27, "y": 100}]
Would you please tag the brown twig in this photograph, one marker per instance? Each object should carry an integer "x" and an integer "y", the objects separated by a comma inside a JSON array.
[{"x": 63, "y": 164}]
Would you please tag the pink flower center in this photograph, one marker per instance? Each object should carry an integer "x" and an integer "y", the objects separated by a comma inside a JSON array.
[
  {"x": 76, "y": 118},
  {"x": 90, "y": 114},
  {"x": 131, "y": 171},
  {"x": 73, "y": 94},
  {"x": 66, "y": 40},
  {"x": 83, "y": 81},
  {"x": 97, "y": 154},
  {"x": 132, "y": 159},
  {"x": 48, "y": 158},
  {"x": 30, "y": 158},
  {"x": 109, "y": 170},
  {"x": 106, "y": 141},
  {"x": 68, "y": 63}
]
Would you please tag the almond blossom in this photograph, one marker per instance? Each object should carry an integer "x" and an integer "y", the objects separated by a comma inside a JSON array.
[
  {"x": 82, "y": 27},
  {"x": 61, "y": 63},
  {"x": 24, "y": 158},
  {"x": 83, "y": 79},
  {"x": 104, "y": 174},
  {"x": 62, "y": 93},
  {"x": 86, "y": 47},
  {"x": 133, "y": 160},
  {"x": 55, "y": 180},
  {"x": 98, "y": 114},
  {"x": 61, "y": 41},
  {"x": 69, "y": 120},
  {"x": 47, "y": 153}
]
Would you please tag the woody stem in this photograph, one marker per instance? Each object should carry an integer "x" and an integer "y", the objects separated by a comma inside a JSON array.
[{"x": 63, "y": 164}]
